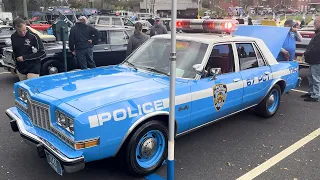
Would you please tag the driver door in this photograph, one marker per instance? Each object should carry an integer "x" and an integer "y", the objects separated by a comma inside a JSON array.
[{"x": 221, "y": 96}]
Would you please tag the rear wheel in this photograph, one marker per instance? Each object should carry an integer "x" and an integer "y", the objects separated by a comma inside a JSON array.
[
  {"x": 147, "y": 148},
  {"x": 270, "y": 104},
  {"x": 52, "y": 66}
]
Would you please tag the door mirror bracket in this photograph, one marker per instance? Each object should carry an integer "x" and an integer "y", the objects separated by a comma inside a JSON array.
[{"x": 215, "y": 72}]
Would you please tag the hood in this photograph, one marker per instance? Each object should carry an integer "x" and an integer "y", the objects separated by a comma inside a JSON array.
[
  {"x": 90, "y": 89},
  {"x": 266, "y": 33}
]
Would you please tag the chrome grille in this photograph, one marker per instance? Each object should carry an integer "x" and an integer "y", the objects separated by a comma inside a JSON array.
[{"x": 39, "y": 115}]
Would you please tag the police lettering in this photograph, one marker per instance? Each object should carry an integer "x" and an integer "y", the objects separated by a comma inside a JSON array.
[{"x": 130, "y": 112}]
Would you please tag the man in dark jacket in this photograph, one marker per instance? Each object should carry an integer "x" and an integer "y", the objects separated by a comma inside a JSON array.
[
  {"x": 81, "y": 41},
  {"x": 137, "y": 39},
  {"x": 27, "y": 49},
  {"x": 312, "y": 58},
  {"x": 158, "y": 28}
]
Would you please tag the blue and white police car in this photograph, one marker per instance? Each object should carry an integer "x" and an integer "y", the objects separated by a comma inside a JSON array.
[{"x": 78, "y": 117}]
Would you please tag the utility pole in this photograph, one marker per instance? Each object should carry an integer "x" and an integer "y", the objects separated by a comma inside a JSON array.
[
  {"x": 102, "y": 4},
  {"x": 25, "y": 9}
]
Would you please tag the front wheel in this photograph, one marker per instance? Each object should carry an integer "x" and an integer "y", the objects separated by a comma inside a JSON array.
[
  {"x": 147, "y": 148},
  {"x": 52, "y": 66},
  {"x": 270, "y": 104}
]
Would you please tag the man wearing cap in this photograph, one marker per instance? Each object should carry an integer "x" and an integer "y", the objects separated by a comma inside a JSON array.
[
  {"x": 312, "y": 58},
  {"x": 288, "y": 50},
  {"x": 158, "y": 28},
  {"x": 81, "y": 41}
]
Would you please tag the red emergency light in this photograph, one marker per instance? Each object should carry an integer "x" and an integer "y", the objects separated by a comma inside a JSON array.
[{"x": 208, "y": 25}]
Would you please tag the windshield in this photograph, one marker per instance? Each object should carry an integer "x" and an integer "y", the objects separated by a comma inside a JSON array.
[{"x": 155, "y": 54}]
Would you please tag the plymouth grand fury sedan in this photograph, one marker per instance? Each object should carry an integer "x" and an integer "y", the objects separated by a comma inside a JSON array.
[{"x": 78, "y": 117}]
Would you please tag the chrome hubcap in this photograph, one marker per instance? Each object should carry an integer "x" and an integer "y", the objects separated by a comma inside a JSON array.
[
  {"x": 271, "y": 100},
  {"x": 148, "y": 147},
  {"x": 53, "y": 70}
]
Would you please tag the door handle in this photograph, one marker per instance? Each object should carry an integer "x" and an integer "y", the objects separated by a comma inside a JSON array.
[
  {"x": 267, "y": 73},
  {"x": 106, "y": 48},
  {"x": 237, "y": 80}
]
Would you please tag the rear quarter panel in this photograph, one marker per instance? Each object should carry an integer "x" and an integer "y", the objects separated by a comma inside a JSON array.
[{"x": 288, "y": 71}]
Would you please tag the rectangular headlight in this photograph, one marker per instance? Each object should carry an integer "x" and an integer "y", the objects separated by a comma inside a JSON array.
[
  {"x": 87, "y": 143},
  {"x": 23, "y": 95},
  {"x": 65, "y": 121}
]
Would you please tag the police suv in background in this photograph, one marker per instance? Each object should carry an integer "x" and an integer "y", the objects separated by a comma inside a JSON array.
[
  {"x": 122, "y": 22},
  {"x": 110, "y": 50},
  {"x": 83, "y": 116}
]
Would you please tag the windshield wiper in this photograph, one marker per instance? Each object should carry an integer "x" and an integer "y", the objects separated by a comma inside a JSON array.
[
  {"x": 132, "y": 65},
  {"x": 155, "y": 70}
]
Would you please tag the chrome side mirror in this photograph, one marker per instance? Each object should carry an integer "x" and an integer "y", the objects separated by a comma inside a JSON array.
[
  {"x": 199, "y": 69},
  {"x": 215, "y": 72}
]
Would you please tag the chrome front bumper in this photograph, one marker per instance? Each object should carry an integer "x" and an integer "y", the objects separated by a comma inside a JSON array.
[{"x": 69, "y": 165}]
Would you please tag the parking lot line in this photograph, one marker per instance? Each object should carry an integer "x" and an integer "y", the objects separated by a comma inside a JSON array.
[
  {"x": 297, "y": 90},
  {"x": 4, "y": 73},
  {"x": 277, "y": 158}
]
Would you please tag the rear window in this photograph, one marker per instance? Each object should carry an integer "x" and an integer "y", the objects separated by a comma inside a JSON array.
[
  {"x": 116, "y": 21},
  {"x": 104, "y": 20}
]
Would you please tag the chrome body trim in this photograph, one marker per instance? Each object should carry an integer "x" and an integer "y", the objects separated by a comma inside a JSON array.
[
  {"x": 211, "y": 122},
  {"x": 39, "y": 140},
  {"x": 40, "y": 117}
]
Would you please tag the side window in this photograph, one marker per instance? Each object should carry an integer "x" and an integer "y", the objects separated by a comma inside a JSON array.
[
  {"x": 117, "y": 37},
  {"x": 247, "y": 56},
  {"x": 259, "y": 56},
  {"x": 221, "y": 57},
  {"x": 103, "y": 37},
  {"x": 116, "y": 21}
]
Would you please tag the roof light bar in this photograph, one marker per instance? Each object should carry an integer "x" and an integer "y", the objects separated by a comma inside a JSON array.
[{"x": 208, "y": 25}]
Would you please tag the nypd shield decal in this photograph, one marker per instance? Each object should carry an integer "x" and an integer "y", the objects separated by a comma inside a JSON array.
[{"x": 219, "y": 95}]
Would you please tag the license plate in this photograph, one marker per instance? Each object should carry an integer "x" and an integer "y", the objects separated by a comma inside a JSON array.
[{"x": 54, "y": 162}]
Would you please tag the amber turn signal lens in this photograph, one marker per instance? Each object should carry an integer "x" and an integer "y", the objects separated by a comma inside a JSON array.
[{"x": 87, "y": 144}]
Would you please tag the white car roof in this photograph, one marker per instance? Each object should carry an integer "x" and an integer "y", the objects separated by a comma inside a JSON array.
[
  {"x": 207, "y": 38},
  {"x": 210, "y": 38}
]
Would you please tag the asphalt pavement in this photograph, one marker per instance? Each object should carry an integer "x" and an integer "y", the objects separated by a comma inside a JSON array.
[{"x": 224, "y": 150}]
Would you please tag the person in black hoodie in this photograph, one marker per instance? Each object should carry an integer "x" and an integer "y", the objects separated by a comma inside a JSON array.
[
  {"x": 82, "y": 38},
  {"x": 27, "y": 49},
  {"x": 137, "y": 39},
  {"x": 312, "y": 58}
]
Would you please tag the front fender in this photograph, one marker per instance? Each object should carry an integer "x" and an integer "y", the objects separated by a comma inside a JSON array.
[{"x": 115, "y": 122}]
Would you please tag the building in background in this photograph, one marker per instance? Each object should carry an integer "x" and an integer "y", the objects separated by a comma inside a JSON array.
[
  {"x": 314, "y": 3},
  {"x": 186, "y": 8}
]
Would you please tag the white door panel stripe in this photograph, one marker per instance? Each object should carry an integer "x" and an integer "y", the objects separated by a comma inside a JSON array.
[{"x": 202, "y": 94}]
